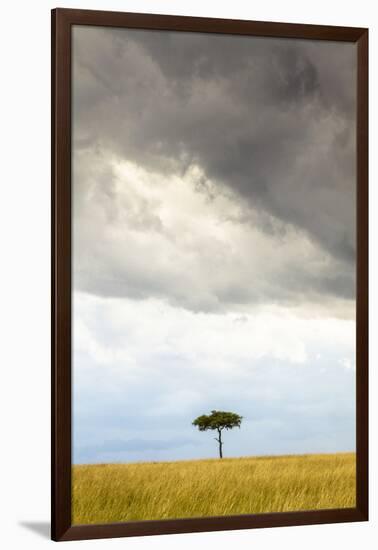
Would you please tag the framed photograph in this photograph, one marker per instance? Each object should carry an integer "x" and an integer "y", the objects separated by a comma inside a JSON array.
[{"x": 209, "y": 274}]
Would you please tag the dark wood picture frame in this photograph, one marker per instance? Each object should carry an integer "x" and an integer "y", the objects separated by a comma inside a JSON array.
[{"x": 62, "y": 21}]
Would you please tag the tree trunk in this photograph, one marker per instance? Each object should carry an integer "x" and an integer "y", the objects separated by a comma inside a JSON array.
[{"x": 220, "y": 443}]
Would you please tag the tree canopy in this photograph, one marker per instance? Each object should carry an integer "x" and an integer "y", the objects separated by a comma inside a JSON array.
[{"x": 218, "y": 419}]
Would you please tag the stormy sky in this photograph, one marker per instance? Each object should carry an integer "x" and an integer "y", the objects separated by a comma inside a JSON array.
[{"x": 214, "y": 243}]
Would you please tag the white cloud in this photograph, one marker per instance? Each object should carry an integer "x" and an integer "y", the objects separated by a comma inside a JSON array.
[
  {"x": 143, "y": 235},
  {"x": 348, "y": 363},
  {"x": 127, "y": 337}
]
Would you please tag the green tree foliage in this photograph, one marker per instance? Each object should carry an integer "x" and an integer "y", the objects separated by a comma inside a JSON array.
[{"x": 219, "y": 421}]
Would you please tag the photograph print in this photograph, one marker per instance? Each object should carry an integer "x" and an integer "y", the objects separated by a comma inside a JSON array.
[{"x": 213, "y": 274}]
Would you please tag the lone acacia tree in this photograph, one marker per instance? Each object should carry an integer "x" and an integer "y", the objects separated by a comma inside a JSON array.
[{"x": 218, "y": 420}]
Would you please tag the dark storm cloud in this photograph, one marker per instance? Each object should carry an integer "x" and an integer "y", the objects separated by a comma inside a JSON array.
[{"x": 271, "y": 119}]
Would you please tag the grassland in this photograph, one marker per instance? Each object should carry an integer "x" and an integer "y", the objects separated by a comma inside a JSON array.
[{"x": 125, "y": 492}]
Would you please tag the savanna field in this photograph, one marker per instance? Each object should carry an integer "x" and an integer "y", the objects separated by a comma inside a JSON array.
[{"x": 250, "y": 485}]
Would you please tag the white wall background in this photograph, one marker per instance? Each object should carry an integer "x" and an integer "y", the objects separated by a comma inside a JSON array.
[{"x": 25, "y": 272}]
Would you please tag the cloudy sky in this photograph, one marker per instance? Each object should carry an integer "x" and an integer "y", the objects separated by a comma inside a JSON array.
[{"x": 214, "y": 243}]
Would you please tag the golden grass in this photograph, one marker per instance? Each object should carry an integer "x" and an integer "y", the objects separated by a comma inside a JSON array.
[{"x": 250, "y": 485}]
